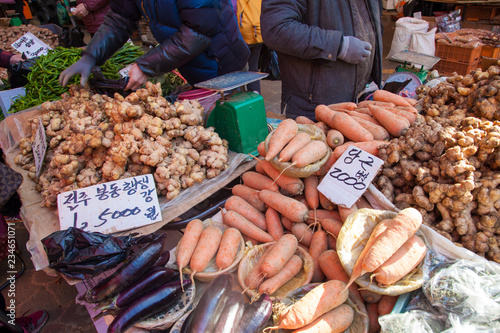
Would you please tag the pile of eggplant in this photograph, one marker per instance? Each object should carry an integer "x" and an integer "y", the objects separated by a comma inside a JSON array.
[
  {"x": 224, "y": 310},
  {"x": 139, "y": 289}
]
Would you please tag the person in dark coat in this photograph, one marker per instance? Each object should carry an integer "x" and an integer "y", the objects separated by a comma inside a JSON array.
[
  {"x": 92, "y": 13},
  {"x": 8, "y": 58},
  {"x": 327, "y": 50},
  {"x": 200, "y": 38}
]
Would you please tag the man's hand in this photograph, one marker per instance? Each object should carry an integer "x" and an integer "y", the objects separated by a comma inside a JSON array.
[
  {"x": 15, "y": 59},
  {"x": 354, "y": 50},
  {"x": 80, "y": 11},
  {"x": 82, "y": 67},
  {"x": 136, "y": 78}
]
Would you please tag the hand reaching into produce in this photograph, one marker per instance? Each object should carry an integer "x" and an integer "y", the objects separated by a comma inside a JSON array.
[
  {"x": 15, "y": 59},
  {"x": 82, "y": 67},
  {"x": 354, "y": 50},
  {"x": 136, "y": 78}
]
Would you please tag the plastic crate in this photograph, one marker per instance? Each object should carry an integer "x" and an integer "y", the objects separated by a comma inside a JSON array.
[
  {"x": 458, "y": 54},
  {"x": 446, "y": 67},
  {"x": 490, "y": 52}
]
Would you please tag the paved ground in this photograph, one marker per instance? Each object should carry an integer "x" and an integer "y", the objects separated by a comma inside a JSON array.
[{"x": 36, "y": 290}]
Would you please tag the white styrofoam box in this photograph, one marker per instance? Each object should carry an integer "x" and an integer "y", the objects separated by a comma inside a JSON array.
[{"x": 9, "y": 96}]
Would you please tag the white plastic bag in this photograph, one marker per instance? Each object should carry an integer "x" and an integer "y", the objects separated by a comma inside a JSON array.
[
  {"x": 405, "y": 27},
  {"x": 423, "y": 42}
]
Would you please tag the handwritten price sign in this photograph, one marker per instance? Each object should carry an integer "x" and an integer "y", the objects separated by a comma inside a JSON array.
[
  {"x": 110, "y": 207},
  {"x": 39, "y": 147},
  {"x": 31, "y": 46},
  {"x": 350, "y": 176}
]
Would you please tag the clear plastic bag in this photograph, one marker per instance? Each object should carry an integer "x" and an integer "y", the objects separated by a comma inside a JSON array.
[{"x": 410, "y": 322}]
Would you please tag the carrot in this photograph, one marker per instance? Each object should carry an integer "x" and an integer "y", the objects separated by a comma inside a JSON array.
[
  {"x": 394, "y": 124},
  {"x": 332, "y": 226},
  {"x": 289, "y": 207},
  {"x": 330, "y": 264},
  {"x": 289, "y": 185},
  {"x": 258, "y": 181},
  {"x": 326, "y": 167},
  {"x": 334, "y": 138},
  {"x": 206, "y": 248},
  {"x": 363, "y": 203},
  {"x": 332, "y": 242},
  {"x": 314, "y": 304},
  {"x": 343, "y": 105},
  {"x": 299, "y": 141},
  {"x": 311, "y": 191},
  {"x": 319, "y": 244},
  {"x": 369, "y": 296},
  {"x": 187, "y": 244},
  {"x": 378, "y": 131},
  {"x": 282, "y": 251},
  {"x": 406, "y": 114},
  {"x": 323, "y": 214},
  {"x": 325, "y": 114},
  {"x": 284, "y": 132},
  {"x": 235, "y": 220},
  {"x": 228, "y": 248},
  {"x": 310, "y": 153},
  {"x": 357, "y": 269},
  {"x": 302, "y": 198},
  {"x": 364, "y": 104},
  {"x": 364, "y": 110},
  {"x": 373, "y": 324},
  {"x": 411, "y": 101},
  {"x": 398, "y": 231},
  {"x": 250, "y": 195},
  {"x": 406, "y": 258},
  {"x": 334, "y": 321},
  {"x": 260, "y": 169},
  {"x": 246, "y": 210},
  {"x": 350, "y": 128},
  {"x": 345, "y": 211},
  {"x": 287, "y": 223},
  {"x": 251, "y": 240},
  {"x": 304, "y": 120},
  {"x": 408, "y": 108},
  {"x": 386, "y": 304},
  {"x": 364, "y": 117},
  {"x": 254, "y": 277},
  {"x": 371, "y": 147},
  {"x": 274, "y": 225},
  {"x": 261, "y": 149},
  {"x": 387, "y": 96},
  {"x": 322, "y": 126},
  {"x": 291, "y": 268},
  {"x": 303, "y": 233},
  {"x": 326, "y": 203}
]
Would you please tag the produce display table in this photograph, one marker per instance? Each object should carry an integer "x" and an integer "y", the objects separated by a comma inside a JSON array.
[{"x": 41, "y": 222}]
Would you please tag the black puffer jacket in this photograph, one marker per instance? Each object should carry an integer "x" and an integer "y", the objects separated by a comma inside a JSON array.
[
  {"x": 199, "y": 37},
  {"x": 306, "y": 35}
]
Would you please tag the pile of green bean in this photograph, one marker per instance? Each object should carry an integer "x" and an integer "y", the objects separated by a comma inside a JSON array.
[{"x": 43, "y": 80}]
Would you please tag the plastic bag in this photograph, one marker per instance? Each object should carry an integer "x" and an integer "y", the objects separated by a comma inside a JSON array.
[
  {"x": 79, "y": 254},
  {"x": 62, "y": 14},
  {"x": 405, "y": 27},
  {"x": 423, "y": 42},
  {"x": 410, "y": 322},
  {"x": 268, "y": 63},
  {"x": 449, "y": 22},
  {"x": 18, "y": 73},
  {"x": 71, "y": 37}
]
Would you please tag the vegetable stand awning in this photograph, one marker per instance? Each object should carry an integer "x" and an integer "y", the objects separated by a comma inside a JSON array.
[{"x": 41, "y": 222}]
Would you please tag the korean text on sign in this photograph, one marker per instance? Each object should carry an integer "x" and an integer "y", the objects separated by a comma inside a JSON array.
[
  {"x": 110, "y": 207},
  {"x": 350, "y": 176}
]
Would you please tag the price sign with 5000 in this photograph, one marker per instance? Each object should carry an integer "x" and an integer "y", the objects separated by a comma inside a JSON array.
[{"x": 350, "y": 176}]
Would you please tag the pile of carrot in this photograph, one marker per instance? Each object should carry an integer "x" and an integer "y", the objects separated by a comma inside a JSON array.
[{"x": 367, "y": 125}]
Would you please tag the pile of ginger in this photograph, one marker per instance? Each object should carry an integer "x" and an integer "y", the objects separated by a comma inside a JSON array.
[
  {"x": 94, "y": 138},
  {"x": 447, "y": 164}
]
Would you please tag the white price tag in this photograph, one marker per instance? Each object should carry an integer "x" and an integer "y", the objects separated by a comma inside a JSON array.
[
  {"x": 350, "y": 176},
  {"x": 39, "y": 147},
  {"x": 417, "y": 15},
  {"x": 124, "y": 71},
  {"x": 110, "y": 207},
  {"x": 31, "y": 46}
]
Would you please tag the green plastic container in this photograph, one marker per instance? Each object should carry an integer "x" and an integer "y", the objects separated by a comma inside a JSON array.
[
  {"x": 241, "y": 120},
  {"x": 15, "y": 21}
]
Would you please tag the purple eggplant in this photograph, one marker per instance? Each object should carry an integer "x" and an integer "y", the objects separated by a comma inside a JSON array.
[
  {"x": 154, "y": 302},
  {"x": 164, "y": 258},
  {"x": 231, "y": 313},
  {"x": 206, "y": 313},
  {"x": 128, "y": 273},
  {"x": 256, "y": 315}
]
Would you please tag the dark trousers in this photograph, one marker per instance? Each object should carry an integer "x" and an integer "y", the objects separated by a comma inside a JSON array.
[{"x": 253, "y": 65}]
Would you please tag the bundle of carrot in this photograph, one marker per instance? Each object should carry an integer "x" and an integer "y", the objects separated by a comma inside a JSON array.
[{"x": 368, "y": 125}]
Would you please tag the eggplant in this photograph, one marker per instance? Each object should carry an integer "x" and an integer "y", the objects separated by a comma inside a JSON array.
[
  {"x": 148, "y": 305},
  {"x": 256, "y": 315},
  {"x": 231, "y": 313},
  {"x": 164, "y": 258},
  {"x": 128, "y": 273},
  {"x": 204, "y": 316}
]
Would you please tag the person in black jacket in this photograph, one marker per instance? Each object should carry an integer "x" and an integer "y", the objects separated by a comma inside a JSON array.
[
  {"x": 199, "y": 38},
  {"x": 327, "y": 50}
]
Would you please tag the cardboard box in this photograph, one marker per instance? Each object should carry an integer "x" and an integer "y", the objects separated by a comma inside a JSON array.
[{"x": 9, "y": 96}]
